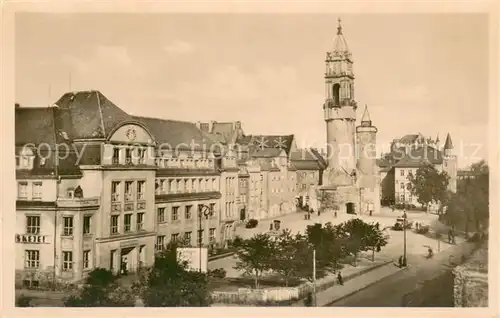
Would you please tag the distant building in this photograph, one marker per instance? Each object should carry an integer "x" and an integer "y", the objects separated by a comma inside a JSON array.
[{"x": 407, "y": 155}]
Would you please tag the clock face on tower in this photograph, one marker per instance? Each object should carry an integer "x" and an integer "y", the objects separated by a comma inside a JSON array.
[{"x": 131, "y": 135}]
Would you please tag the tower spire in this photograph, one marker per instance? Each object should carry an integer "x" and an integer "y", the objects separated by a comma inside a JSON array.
[
  {"x": 448, "y": 144},
  {"x": 339, "y": 27},
  {"x": 365, "y": 119}
]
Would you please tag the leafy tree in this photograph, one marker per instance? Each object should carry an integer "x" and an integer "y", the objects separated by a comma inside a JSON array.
[
  {"x": 329, "y": 243},
  {"x": 255, "y": 255},
  {"x": 101, "y": 290},
  {"x": 169, "y": 283},
  {"x": 284, "y": 260},
  {"x": 23, "y": 301},
  {"x": 374, "y": 238},
  {"x": 470, "y": 205},
  {"x": 356, "y": 232},
  {"x": 428, "y": 184}
]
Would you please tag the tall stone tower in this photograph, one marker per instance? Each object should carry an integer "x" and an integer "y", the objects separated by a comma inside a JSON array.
[
  {"x": 367, "y": 169},
  {"x": 340, "y": 112},
  {"x": 450, "y": 163},
  {"x": 340, "y": 116}
]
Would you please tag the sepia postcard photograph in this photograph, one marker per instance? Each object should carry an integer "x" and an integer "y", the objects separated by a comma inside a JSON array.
[{"x": 249, "y": 158}]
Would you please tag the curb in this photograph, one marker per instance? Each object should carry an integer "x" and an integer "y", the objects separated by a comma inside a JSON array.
[
  {"x": 346, "y": 279},
  {"x": 363, "y": 288},
  {"x": 217, "y": 257}
]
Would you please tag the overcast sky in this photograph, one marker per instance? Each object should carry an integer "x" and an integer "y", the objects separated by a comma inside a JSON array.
[{"x": 417, "y": 73}]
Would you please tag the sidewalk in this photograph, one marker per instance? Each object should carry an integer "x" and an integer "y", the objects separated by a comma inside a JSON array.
[{"x": 352, "y": 286}]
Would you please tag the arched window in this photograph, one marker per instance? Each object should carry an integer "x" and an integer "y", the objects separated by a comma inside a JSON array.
[{"x": 336, "y": 94}]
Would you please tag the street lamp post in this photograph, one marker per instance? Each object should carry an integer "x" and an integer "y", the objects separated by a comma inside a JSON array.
[
  {"x": 206, "y": 211},
  {"x": 404, "y": 226},
  {"x": 314, "y": 277}
]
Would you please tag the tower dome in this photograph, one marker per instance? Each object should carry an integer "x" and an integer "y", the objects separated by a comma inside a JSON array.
[{"x": 340, "y": 43}]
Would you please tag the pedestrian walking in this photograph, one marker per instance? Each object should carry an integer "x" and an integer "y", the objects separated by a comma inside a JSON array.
[
  {"x": 335, "y": 213},
  {"x": 340, "y": 280},
  {"x": 400, "y": 261},
  {"x": 371, "y": 212}
]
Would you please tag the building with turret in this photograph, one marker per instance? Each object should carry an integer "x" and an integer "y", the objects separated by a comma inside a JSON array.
[
  {"x": 406, "y": 156},
  {"x": 351, "y": 176}
]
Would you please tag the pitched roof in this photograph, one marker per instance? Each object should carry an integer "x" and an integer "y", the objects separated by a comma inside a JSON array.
[
  {"x": 409, "y": 139},
  {"x": 365, "y": 119},
  {"x": 268, "y": 141},
  {"x": 266, "y": 153},
  {"x": 417, "y": 156},
  {"x": 89, "y": 114},
  {"x": 38, "y": 126},
  {"x": 448, "y": 144},
  {"x": 306, "y": 164},
  {"x": 176, "y": 133},
  {"x": 34, "y": 125},
  {"x": 321, "y": 159}
]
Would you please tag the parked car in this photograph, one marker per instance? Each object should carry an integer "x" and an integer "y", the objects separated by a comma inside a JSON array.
[{"x": 398, "y": 226}]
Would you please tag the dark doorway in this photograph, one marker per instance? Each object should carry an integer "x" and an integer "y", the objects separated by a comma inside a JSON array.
[
  {"x": 242, "y": 214},
  {"x": 350, "y": 208}
]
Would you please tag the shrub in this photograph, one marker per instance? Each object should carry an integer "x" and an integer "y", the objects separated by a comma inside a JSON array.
[
  {"x": 476, "y": 237},
  {"x": 252, "y": 223},
  {"x": 424, "y": 229},
  {"x": 217, "y": 273},
  {"x": 23, "y": 301}
]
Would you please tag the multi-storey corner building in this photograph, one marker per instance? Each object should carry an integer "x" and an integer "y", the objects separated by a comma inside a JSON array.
[
  {"x": 98, "y": 187},
  {"x": 407, "y": 155}
]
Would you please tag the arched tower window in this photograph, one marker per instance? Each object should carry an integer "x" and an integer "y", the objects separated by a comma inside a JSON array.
[{"x": 336, "y": 94}]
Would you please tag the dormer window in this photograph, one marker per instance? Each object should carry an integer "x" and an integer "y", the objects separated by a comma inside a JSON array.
[
  {"x": 25, "y": 159},
  {"x": 70, "y": 193}
]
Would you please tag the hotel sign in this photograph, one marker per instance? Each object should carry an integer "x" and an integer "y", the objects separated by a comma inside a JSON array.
[{"x": 31, "y": 239}]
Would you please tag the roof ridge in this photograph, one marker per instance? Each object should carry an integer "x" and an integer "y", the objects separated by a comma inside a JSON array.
[
  {"x": 100, "y": 111},
  {"x": 163, "y": 119}
]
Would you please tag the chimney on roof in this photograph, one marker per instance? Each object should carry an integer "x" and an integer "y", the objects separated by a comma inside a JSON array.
[
  {"x": 211, "y": 126},
  {"x": 198, "y": 124},
  {"x": 17, "y": 105}
]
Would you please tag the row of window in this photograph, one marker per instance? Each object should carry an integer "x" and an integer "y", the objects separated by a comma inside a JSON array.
[
  {"x": 184, "y": 163},
  {"x": 186, "y": 185},
  {"x": 402, "y": 172},
  {"x": 127, "y": 223},
  {"x": 33, "y": 225},
  {"x": 129, "y": 190},
  {"x": 229, "y": 209},
  {"x": 32, "y": 259},
  {"x": 36, "y": 190},
  {"x": 161, "y": 214},
  {"x": 404, "y": 185},
  {"x": 161, "y": 240},
  {"x": 129, "y": 155}
]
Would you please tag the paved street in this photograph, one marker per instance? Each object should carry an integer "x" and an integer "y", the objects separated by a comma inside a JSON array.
[{"x": 395, "y": 290}]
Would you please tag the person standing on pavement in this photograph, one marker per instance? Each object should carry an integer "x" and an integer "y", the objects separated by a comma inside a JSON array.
[
  {"x": 340, "y": 280},
  {"x": 400, "y": 261}
]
